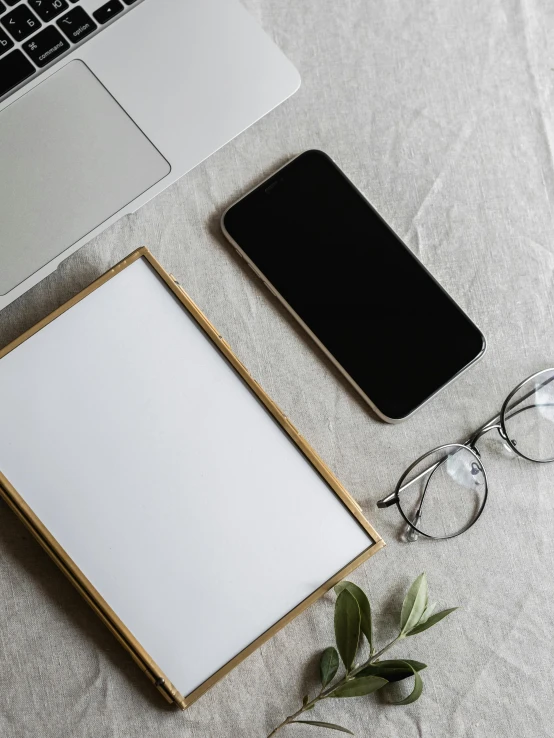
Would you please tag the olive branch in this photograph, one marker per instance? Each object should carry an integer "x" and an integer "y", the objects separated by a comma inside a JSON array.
[{"x": 353, "y": 623}]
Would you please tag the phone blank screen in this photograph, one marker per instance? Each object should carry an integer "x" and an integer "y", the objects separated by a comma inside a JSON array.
[{"x": 356, "y": 286}]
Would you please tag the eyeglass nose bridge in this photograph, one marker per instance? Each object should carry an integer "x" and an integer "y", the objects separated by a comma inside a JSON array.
[{"x": 481, "y": 432}]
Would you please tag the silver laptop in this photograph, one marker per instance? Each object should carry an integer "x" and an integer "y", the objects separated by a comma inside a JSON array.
[{"x": 105, "y": 104}]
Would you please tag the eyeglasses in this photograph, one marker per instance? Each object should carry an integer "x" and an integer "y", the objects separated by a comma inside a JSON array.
[{"x": 444, "y": 492}]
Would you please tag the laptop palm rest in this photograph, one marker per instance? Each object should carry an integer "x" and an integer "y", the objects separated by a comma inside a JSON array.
[{"x": 75, "y": 159}]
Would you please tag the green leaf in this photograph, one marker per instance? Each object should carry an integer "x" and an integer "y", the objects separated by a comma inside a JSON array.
[
  {"x": 347, "y": 627},
  {"x": 328, "y": 665},
  {"x": 319, "y": 724},
  {"x": 392, "y": 671},
  {"x": 359, "y": 687},
  {"x": 433, "y": 620},
  {"x": 365, "y": 608},
  {"x": 417, "y": 690},
  {"x": 429, "y": 610},
  {"x": 414, "y": 604}
]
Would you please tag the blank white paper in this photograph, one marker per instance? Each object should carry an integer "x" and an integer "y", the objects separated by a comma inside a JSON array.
[{"x": 164, "y": 478}]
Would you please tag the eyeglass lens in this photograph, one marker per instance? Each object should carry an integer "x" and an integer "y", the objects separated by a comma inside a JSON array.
[
  {"x": 529, "y": 418},
  {"x": 449, "y": 495}
]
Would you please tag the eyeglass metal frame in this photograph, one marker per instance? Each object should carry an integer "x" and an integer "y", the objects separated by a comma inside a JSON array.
[{"x": 498, "y": 422}]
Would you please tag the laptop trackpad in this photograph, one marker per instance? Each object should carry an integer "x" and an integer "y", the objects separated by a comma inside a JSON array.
[{"x": 70, "y": 157}]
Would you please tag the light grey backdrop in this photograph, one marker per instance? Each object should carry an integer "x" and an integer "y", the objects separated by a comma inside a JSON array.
[{"x": 441, "y": 112}]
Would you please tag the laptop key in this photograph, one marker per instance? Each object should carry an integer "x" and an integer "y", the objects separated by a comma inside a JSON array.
[
  {"x": 20, "y": 22},
  {"x": 11, "y": 3},
  {"x": 2, "y": 8},
  {"x": 108, "y": 11},
  {"x": 5, "y": 43},
  {"x": 48, "y": 9},
  {"x": 76, "y": 24},
  {"x": 46, "y": 46},
  {"x": 14, "y": 68}
]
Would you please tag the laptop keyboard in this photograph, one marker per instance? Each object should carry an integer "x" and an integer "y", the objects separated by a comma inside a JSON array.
[{"x": 36, "y": 33}]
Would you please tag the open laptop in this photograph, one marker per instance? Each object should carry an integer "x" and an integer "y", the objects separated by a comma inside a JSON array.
[{"x": 105, "y": 104}]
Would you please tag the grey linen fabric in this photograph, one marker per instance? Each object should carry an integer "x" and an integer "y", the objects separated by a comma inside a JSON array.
[{"x": 441, "y": 112}]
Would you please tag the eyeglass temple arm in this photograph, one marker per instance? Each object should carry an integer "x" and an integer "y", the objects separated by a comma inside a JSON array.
[{"x": 393, "y": 497}]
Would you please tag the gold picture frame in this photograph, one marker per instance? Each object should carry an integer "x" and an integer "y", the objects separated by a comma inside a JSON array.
[{"x": 84, "y": 586}]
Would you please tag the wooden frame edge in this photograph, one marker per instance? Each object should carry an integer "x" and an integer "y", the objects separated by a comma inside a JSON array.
[
  {"x": 280, "y": 624},
  {"x": 84, "y": 586}
]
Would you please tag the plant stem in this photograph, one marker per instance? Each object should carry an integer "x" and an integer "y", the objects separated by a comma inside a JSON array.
[
  {"x": 324, "y": 694},
  {"x": 382, "y": 651}
]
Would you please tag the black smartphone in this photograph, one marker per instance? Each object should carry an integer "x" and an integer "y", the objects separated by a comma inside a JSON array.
[{"x": 348, "y": 279}]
